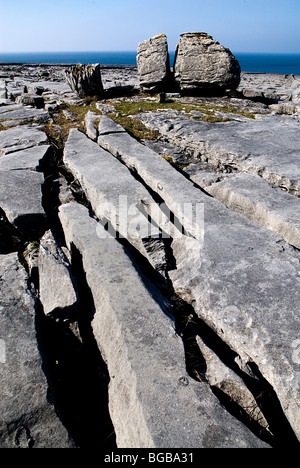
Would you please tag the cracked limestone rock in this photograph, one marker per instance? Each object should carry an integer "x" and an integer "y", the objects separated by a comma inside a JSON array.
[
  {"x": 21, "y": 201},
  {"x": 21, "y": 137},
  {"x": 152, "y": 400},
  {"x": 153, "y": 63},
  {"x": 202, "y": 64},
  {"x": 120, "y": 202},
  {"x": 261, "y": 202},
  {"x": 267, "y": 145},
  {"x": 242, "y": 279},
  {"x": 85, "y": 80},
  {"x": 27, "y": 418},
  {"x": 56, "y": 283},
  {"x": 31, "y": 158}
]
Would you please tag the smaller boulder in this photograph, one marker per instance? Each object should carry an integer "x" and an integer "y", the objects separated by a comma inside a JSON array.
[
  {"x": 85, "y": 80},
  {"x": 153, "y": 63},
  {"x": 30, "y": 100}
]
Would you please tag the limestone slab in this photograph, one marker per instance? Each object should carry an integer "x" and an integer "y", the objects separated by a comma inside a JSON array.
[
  {"x": 242, "y": 279},
  {"x": 268, "y": 146},
  {"x": 245, "y": 286},
  {"x": 113, "y": 193},
  {"x": 19, "y": 138},
  {"x": 31, "y": 158},
  {"x": 21, "y": 200},
  {"x": 156, "y": 172},
  {"x": 261, "y": 202},
  {"x": 15, "y": 114},
  {"x": 56, "y": 283},
  {"x": 27, "y": 418},
  {"x": 152, "y": 401}
]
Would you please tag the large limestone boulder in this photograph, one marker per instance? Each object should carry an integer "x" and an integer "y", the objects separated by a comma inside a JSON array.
[
  {"x": 153, "y": 63},
  {"x": 204, "y": 65},
  {"x": 85, "y": 80}
]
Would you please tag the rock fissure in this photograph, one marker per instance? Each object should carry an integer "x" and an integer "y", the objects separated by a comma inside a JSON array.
[
  {"x": 264, "y": 415},
  {"x": 75, "y": 371},
  {"x": 196, "y": 364}
]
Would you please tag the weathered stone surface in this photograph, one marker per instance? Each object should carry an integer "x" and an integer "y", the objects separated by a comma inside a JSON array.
[
  {"x": 202, "y": 64},
  {"x": 107, "y": 125},
  {"x": 237, "y": 281},
  {"x": 32, "y": 158},
  {"x": 153, "y": 63},
  {"x": 90, "y": 121},
  {"x": 3, "y": 91},
  {"x": 31, "y": 100},
  {"x": 119, "y": 202},
  {"x": 21, "y": 200},
  {"x": 35, "y": 89},
  {"x": 85, "y": 80},
  {"x": 27, "y": 419},
  {"x": 261, "y": 202},
  {"x": 19, "y": 138},
  {"x": 157, "y": 174},
  {"x": 56, "y": 283},
  {"x": 268, "y": 146},
  {"x": 240, "y": 278},
  {"x": 14, "y": 114},
  {"x": 240, "y": 286},
  {"x": 153, "y": 402},
  {"x": 225, "y": 379}
]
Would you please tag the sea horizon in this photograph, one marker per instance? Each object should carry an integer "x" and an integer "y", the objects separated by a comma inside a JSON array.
[{"x": 255, "y": 62}]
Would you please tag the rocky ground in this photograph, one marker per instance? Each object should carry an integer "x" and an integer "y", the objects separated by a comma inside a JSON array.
[{"x": 149, "y": 264}]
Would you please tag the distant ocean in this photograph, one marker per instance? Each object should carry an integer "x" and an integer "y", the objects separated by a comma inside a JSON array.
[{"x": 256, "y": 63}]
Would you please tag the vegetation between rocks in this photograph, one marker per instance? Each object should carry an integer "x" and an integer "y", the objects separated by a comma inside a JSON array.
[{"x": 126, "y": 107}]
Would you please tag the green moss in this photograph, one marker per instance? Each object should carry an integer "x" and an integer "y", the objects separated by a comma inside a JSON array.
[
  {"x": 59, "y": 119},
  {"x": 168, "y": 158},
  {"x": 213, "y": 119},
  {"x": 17, "y": 123},
  {"x": 127, "y": 107},
  {"x": 135, "y": 128},
  {"x": 33, "y": 247}
]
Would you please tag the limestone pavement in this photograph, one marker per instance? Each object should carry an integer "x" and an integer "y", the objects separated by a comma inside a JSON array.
[{"x": 181, "y": 272}]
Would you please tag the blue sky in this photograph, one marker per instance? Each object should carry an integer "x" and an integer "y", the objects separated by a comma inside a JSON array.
[{"x": 99, "y": 25}]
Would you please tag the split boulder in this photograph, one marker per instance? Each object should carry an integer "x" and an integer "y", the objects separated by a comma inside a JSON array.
[
  {"x": 153, "y": 63},
  {"x": 204, "y": 65},
  {"x": 85, "y": 80}
]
